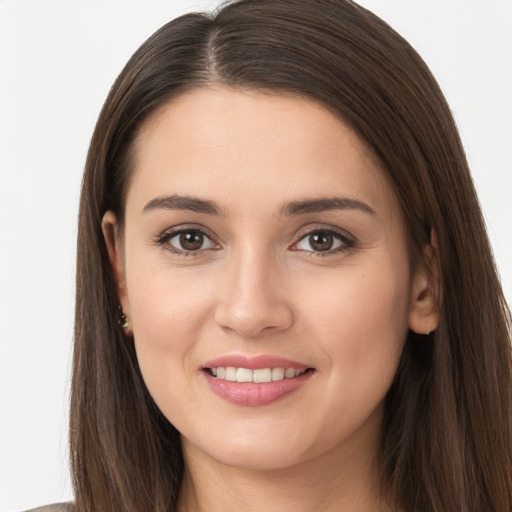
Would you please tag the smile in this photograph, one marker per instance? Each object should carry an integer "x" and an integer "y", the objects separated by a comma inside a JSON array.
[
  {"x": 258, "y": 376},
  {"x": 255, "y": 381}
]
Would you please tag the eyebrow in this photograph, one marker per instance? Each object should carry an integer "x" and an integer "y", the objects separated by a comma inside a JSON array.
[
  {"x": 176, "y": 202},
  {"x": 325, "y": 204},
  {"x": 293, "y": 208}
]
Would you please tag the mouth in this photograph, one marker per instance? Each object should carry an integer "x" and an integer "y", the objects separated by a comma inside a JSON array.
[
  {"x": 255, "y": 381},
  {"x": 258, "y": 376}
]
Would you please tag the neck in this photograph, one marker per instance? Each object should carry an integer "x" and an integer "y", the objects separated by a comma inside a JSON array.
[{"x": 322, "y": 483}]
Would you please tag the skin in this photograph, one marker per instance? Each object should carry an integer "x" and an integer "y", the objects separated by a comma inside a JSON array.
[{"x": 257, "y": 286}]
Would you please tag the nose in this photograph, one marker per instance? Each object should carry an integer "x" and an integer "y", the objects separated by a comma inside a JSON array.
[{"x": 254, "y": 302}]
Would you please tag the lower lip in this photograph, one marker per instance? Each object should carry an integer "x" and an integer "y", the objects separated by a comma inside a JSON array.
[{"x": 253, "y": 395}]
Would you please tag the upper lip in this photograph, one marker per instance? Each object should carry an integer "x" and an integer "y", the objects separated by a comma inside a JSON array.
[{"x": 254, "y": 363}]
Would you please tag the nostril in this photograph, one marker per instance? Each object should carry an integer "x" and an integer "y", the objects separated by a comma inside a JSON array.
[{"x": 252, "y": 320}]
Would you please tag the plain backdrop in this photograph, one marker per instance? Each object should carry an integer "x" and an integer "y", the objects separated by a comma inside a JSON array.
[{"x": 58, "y": 59}]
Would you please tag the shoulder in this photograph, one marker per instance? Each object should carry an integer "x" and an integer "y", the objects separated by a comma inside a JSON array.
[{"x": 56, "y": 507}]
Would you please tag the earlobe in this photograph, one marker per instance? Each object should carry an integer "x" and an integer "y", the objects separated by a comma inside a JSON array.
[
  {"x": 426, "y": 293},
  {"x": 113, "y": 242}
]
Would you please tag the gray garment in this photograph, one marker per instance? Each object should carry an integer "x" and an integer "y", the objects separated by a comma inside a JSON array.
[{"x": 56, "y": 507}]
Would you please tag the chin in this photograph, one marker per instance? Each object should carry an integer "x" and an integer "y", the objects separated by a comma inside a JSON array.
[
  {"x": 256, "y": 459},
  {"x": 264, "y": 453},
  {"x": 256, "y": 450}
]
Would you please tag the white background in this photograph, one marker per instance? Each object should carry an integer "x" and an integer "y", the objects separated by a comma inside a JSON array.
[{"x": 58, "y": 59}]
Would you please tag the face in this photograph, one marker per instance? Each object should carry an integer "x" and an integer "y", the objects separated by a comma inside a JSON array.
[{"x": 264, "y": 271}]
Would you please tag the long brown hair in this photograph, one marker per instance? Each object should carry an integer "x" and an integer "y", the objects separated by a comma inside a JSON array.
[{"x": 446, "y": 441}]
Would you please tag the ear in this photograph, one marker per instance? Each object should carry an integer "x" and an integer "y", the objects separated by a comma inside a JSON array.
[
  {"x": 114, "y": 245},
  {"x": 426, "y": 291}
]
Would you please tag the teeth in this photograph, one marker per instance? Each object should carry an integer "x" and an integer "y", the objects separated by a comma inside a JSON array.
[
  {"x": 230, "y": 374},
  {"x": 243, "y": 375},
  {"x": 289, "y": 373},
  {"x": 258, "y": 376},
  {"x": 277, "y": 373},
  {"x": 264, "y": 375}
]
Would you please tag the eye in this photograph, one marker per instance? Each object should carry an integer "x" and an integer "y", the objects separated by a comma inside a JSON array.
[
  {"x": 186, "y": 241},
  {"x": 324, "y": 241}
]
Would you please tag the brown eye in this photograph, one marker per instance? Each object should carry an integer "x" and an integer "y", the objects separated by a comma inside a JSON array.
[
  {"x": 189, "y": 241},
  {"x": 325, "y": 241},
  {"x": 321, "y": 241}
]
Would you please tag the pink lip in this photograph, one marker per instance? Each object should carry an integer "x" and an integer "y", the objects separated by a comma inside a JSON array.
[
  {"x": 251, "y": 394},
  {"x": 254, "y": 363}
]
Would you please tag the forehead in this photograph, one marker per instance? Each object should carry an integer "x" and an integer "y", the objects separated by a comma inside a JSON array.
[{"x": 234, "y": 143}]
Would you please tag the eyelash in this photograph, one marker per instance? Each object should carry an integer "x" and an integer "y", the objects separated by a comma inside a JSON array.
[
  {"x": 347, "y": 241},
  {"x": 163, "y": 240}
]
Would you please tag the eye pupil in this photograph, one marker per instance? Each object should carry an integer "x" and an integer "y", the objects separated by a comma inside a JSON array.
[
  {"x": 321, "y": 241},
  {"x": 191, "y": 241}
]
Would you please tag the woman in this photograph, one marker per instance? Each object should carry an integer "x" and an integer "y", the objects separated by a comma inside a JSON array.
[{"x": 285, "y": 295}]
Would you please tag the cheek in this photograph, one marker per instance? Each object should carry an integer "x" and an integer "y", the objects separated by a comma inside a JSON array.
[
  {"x": 166, "y": 327},
  {"x": 357, "y": 300},
  {"x": 359, "y": 323},
  {"x": 168, "y": 311},
  {"x": 166, "y": 304}
]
